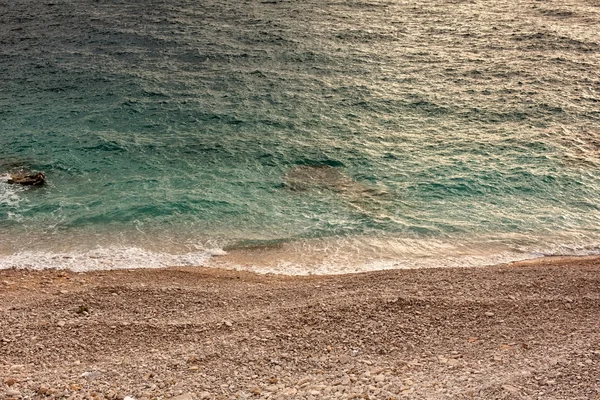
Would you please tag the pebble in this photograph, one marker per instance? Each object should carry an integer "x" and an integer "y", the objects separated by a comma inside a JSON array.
[
  {"x": 379, "y": 378},
  {"x": 91, "y": 375},
  {"x": 185, "y": 396},
  {"x": 204, "y": 395},
  {"x": 13, "y": 393},
  {"x": 255, "y": 391},
  {"x": 289, "y": 391},
  {"x": 10, "y": 381},
  {"x": 43, "y": 390},
  {"x": 510, "y": 389},
  {"x": 303, "y": 381}
]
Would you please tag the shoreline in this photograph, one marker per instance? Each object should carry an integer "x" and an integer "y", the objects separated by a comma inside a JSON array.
[
  {"x": 296, "y": 258},
  {"x": 515, "y": 331}
]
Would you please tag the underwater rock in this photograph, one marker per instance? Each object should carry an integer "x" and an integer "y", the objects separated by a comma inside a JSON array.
[
  {"x": 318, "y": 177},
  {"x": 27, "y": 179},
  {"x": 365, "y": 199},
  {"x": 306, "y": 177}
]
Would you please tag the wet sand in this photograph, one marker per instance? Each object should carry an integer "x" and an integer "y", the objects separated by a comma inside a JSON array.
[{"x": 521, "y": 331}]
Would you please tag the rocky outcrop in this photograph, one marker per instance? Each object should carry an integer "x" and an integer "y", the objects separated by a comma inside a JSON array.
[{"x": 27, "y": 178}]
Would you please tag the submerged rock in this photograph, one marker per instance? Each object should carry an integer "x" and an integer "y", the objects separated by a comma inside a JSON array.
[
  {"x": 318, "y": 177},
  {"x": 306, "y": 177},
  {"x": 27, "y": 179}
]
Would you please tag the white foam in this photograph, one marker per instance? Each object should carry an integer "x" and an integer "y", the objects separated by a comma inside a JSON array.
[
  {"x": 335, "y": 268},
  {"x": 9, "y": 194},
  {"x": 299, "y": 258},
  {"x": 107, "y": 258}
]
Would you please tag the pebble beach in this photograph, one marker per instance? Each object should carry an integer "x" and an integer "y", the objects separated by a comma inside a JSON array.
[{"x": 515, "y": 331}]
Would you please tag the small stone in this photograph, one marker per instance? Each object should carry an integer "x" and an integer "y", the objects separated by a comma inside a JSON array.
[
  {"x": 61, "y": 323},
  {"x": 255, "y": 391},
  {"x": 302, "y": 382},
  {"x": 9, "y": 381},
  {"x": 204, "y": 395},
  {"x": 185, "y": 396},
  {"x": 510, "y": 389},
  {"x": 43, "y": 390},
  {"x": 227, "y": 323},
  {"x": 489, "y": 314},
  {"x": 91, "y": 375},
  {"x": 12, "y": 393},
  {"x": 379, "y": 378},
  {"x": 289, "y": 391},
  {"x": 452, "y": 361}
]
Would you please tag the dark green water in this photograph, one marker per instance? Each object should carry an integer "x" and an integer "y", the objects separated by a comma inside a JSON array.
[{"x": 428, "y": 133}]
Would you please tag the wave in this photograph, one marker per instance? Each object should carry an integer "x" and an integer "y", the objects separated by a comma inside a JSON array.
[
  {"x": 104, "y": 258},
  {"x": 303, "y": 257},
  {"x": 9, "y": 194}
]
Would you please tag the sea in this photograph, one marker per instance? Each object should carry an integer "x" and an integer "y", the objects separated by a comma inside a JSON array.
[{"x": 298, "y": 137}]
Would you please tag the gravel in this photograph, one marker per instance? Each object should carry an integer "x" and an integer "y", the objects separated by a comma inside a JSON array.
[{"x": 522, "y": 331}]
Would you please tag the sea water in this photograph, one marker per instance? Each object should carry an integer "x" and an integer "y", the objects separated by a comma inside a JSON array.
[{"x": 336, "y": 136}]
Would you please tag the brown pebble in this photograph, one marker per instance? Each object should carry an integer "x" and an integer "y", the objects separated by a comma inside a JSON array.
[{"x": 9, "y": 381}]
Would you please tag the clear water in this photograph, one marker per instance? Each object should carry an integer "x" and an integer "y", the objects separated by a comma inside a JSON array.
[{"x": 384, "y": 133}]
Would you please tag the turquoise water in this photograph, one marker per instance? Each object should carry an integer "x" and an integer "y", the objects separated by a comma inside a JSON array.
[{"x": 414, "y": 133}]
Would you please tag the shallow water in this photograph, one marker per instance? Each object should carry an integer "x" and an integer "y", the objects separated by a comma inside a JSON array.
[{"x": 379, "y": 133}]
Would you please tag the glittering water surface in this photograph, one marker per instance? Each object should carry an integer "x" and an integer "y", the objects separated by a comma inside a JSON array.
[{"x": 419, "y": 133}]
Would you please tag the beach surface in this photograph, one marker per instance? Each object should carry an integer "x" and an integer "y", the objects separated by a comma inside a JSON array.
[{"x": 520, "y": 331}]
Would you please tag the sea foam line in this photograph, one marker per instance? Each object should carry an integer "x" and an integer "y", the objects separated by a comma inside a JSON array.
[
  {"x": 119, "y": 257},
  {"x": 108, "y": 258},
  {"x": 338, "y": 268}
]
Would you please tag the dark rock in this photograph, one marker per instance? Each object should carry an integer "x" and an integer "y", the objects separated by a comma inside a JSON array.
[{"x": 28, "y": 179}]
